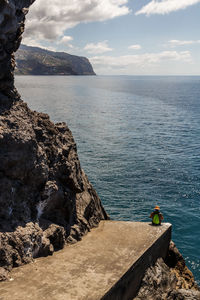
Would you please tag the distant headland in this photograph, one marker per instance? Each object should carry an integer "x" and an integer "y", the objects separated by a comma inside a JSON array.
[{"x": 38, "y": 61}]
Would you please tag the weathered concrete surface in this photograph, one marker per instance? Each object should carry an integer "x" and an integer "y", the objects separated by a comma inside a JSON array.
[{"x": 109, "y": 261}]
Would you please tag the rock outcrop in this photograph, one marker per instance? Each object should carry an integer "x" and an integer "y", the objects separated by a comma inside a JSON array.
[
  {"x": 12, "y": 17},
  {"x": 169, "y": 279},
  {"x": 46, "y": 199}
]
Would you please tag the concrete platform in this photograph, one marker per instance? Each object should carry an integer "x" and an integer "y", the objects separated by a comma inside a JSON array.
[{"x": 108, "y": 263}]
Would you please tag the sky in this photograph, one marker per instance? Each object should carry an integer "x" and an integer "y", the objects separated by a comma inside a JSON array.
[{"x": 121, "y": 37}]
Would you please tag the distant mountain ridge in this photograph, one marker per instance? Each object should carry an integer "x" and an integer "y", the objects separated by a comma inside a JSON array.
[{"x": 38, "y": 61}]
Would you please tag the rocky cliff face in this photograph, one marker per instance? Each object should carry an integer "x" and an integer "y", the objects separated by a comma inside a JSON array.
[
  {"x": 169, "y": 279},
  {"x": 12, "y": 17},
  {"x": 46, "y": 199}
]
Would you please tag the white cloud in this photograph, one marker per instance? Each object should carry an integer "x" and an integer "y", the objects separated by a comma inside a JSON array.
[
  {"x": 174, "y": 43},
  {"x": 134, "y": 47},
  {"x": 30, "y": 42},
  {"x": 98, "y": 48},
  {"x": 49, "y": 45},
  {"x": 33, "y": 43},
  {"x": 50, "y": 20},
  {"x": 66, "y": 39},
  {"x": 141, "y": 61},
  {"x": 165, "y": 6}
]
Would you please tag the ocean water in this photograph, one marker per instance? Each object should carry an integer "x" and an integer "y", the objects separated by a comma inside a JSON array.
[{"x": 138, "y": 140}]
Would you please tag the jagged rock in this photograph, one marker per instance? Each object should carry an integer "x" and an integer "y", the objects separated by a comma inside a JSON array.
[
  {"x": 41, "y": 182},
  {"x": 20, "y": 246},
  {"x": 12, "y": 17},
  {"x": 4, "y": 275},
  {"x": 45, "y": 196},
  {"x": 157, "y": 282},
  {"x": 177, "y": 265},
  {"x": 183, "y": 294},
  {"x": 56, "y": 235},
  {"x": 169, "y": 280}
]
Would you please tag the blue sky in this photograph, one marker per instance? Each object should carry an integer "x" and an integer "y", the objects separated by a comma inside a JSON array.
[{"x": 135, "y": 37}]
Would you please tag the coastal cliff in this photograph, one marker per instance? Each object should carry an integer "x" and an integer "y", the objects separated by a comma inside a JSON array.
[
  {"x": 37, "y": 61},
  {"x": 169, "y": 279},
  {"x": 46, "y": 199}
]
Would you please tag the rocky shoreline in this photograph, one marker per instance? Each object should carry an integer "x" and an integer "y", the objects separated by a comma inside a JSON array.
[
  {"x": 169, "y": 279},
  {"x": 46, "y": 199}
]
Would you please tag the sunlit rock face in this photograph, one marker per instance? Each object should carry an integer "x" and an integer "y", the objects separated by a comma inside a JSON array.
[
  {"x": 46, "y": 199},
  {"x": 12, "y": 17},
  {"x": 169, "y": 280}
]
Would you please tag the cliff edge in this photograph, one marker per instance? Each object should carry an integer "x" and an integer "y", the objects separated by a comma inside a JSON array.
[{"x": 46, "y": 199}]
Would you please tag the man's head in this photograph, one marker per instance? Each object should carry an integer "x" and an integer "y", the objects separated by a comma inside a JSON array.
[{"x": 157, "y": 207}]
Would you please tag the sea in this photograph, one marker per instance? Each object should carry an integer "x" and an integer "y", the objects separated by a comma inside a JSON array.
[{"x": 138, "y": 140}]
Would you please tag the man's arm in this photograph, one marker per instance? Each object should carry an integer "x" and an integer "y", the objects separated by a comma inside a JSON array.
[{"x": 161, "y": 216}]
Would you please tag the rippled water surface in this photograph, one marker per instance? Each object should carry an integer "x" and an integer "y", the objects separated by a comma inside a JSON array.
[{"x": 138, "y": 140}]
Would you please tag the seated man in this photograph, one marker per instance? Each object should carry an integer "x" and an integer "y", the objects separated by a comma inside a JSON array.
[{"x": 156, "y": 216}]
